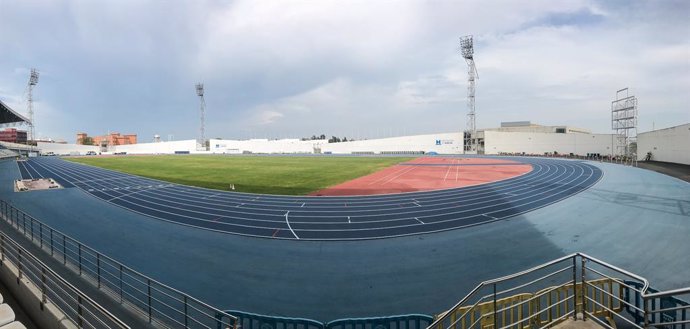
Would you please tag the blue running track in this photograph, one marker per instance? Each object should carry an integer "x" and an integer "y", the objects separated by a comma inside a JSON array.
[{"x": 325, "y": 218}]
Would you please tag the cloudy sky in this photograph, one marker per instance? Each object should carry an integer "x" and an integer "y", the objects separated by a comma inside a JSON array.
[{"x": 349, "y": 68}]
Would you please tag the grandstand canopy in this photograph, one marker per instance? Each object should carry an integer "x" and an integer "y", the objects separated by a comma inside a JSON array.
[{"x": 9, "y": 116}]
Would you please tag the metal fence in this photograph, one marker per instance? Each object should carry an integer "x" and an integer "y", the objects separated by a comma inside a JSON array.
[
  {"x": 622, "y": 160},
  {"x": 157, "y": 303},
  {"x": 574, "y": 286},
  {"x": 248, "y": 320},
  {"x": 54, "y": 291},
  {"x": 669, "y": 309}
]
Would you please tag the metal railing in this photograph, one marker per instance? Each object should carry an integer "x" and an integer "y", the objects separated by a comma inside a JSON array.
[
  {"x": 573, "y": 285},
  {"x": 157, "y": 303},
  {"x": 248, "y": 320},
  {"x": 55, "y": 291},
  {"x": 663, "y": 309},
  {"x": 409, "y": 321},
  {"x": 622, "y": 160}
]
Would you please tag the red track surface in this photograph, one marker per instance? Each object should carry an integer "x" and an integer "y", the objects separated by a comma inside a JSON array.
[{"x": 425, "y": 174}]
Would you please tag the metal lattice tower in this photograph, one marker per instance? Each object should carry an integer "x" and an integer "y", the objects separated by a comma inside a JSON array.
[
  {"x": 624, "y": 122},
  {"x": 33, "y": 81},
  {"x": 470, "y": 133},
  {"x": 202, "y": 109}
]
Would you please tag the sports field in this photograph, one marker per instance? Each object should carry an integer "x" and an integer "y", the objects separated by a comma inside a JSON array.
[{"x": 289, "y": 175}]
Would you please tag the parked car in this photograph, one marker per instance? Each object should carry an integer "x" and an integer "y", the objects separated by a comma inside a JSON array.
[
  {"x": 91, "y": 153},
  {"x": 49, "y": 154}
]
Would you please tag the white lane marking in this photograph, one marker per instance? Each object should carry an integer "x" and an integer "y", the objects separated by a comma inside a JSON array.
[
  {"x": 419, "y": 220},
  {"x": 402, "y": 168},
  {"x": 492, "y": 217},
  {"x": 26, "y": 168},
  {"x": 240, "y": 205},
  {"x": 135, "y": 192},
  {"x": 447, "y": 171},
  {"x": 302, "y": 205},
  {"x": 288, "y": 224},
  {"x": 210, "y": 196},
  {"x": 98, "y": 179},
  {"x": 400, "y": 174},
  {"x": 348, "y": 220}
]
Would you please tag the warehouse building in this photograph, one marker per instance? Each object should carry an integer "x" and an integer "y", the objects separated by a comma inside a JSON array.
[{"x": 529, "y": 138}]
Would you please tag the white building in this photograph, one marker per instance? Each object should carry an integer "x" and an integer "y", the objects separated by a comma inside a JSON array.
[
  {"x": 529, "y": 138},
  {"x": 667, "y": 145}
]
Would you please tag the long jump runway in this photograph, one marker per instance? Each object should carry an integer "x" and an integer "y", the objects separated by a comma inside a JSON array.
[{"x": 325, "y": 218}]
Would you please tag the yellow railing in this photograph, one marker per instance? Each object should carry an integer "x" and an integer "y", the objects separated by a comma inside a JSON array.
[{"x": 535, "y": 310}]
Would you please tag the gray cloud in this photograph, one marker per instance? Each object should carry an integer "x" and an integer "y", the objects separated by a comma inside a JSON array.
[{"x": 296, "y": 68}]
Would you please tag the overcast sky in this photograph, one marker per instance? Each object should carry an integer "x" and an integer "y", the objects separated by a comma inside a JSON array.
[{"x": 348, "y": 68}]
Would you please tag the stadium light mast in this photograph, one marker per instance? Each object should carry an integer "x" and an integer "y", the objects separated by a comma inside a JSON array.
[
  {"x": 33, "y": 81},
  {"x": 202, "y": 109},
  {"x": 470, "y": 139}
]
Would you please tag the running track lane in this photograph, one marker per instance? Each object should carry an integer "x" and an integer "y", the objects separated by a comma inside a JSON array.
[{"x": 326, "y": 218}]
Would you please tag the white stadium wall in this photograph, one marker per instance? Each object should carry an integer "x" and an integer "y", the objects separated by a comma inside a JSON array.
[
  {"x": 265, "y": 146},
  {"x": 444, "y": 143},
  {"x": 496, "y": 142},
  {"x": 157, "y": 148},
  {"x": 66, "y": 149},
  {"x": 667, "y": 145}
]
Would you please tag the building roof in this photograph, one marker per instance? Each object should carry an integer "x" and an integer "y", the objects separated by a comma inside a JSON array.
[{"x": 9, "y": 116}]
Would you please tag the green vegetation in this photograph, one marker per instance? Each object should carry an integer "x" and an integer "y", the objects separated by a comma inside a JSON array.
[{"x": 290, "y": 175}]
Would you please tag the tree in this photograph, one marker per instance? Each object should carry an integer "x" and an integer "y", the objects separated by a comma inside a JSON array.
[{"x": 87, "y": 141}]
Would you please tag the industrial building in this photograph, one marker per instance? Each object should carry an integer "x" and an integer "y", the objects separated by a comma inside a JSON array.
[
  {"x": 12, "y": 135},
  {"x": 529, "y": 138},
  {"x": 106, "y": 140}
]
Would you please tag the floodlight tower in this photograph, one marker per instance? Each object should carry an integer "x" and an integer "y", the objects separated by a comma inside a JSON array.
[
  {"x": 33, "y": 81},
  {"x": 202, "y": 109},
  {"x": 624, "y": 122},
  {"x": 470, "y": 134}
]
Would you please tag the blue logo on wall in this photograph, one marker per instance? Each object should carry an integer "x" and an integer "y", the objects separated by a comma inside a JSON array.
[{"x": 438, "y": 142}]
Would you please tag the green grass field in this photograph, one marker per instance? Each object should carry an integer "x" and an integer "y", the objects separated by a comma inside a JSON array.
[{"x": 289, "y": 175}]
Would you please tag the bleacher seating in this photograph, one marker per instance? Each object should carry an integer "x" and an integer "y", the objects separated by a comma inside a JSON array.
[
  {"x": 7, "y": 317},
  {"x": 5, "y": 153}
]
